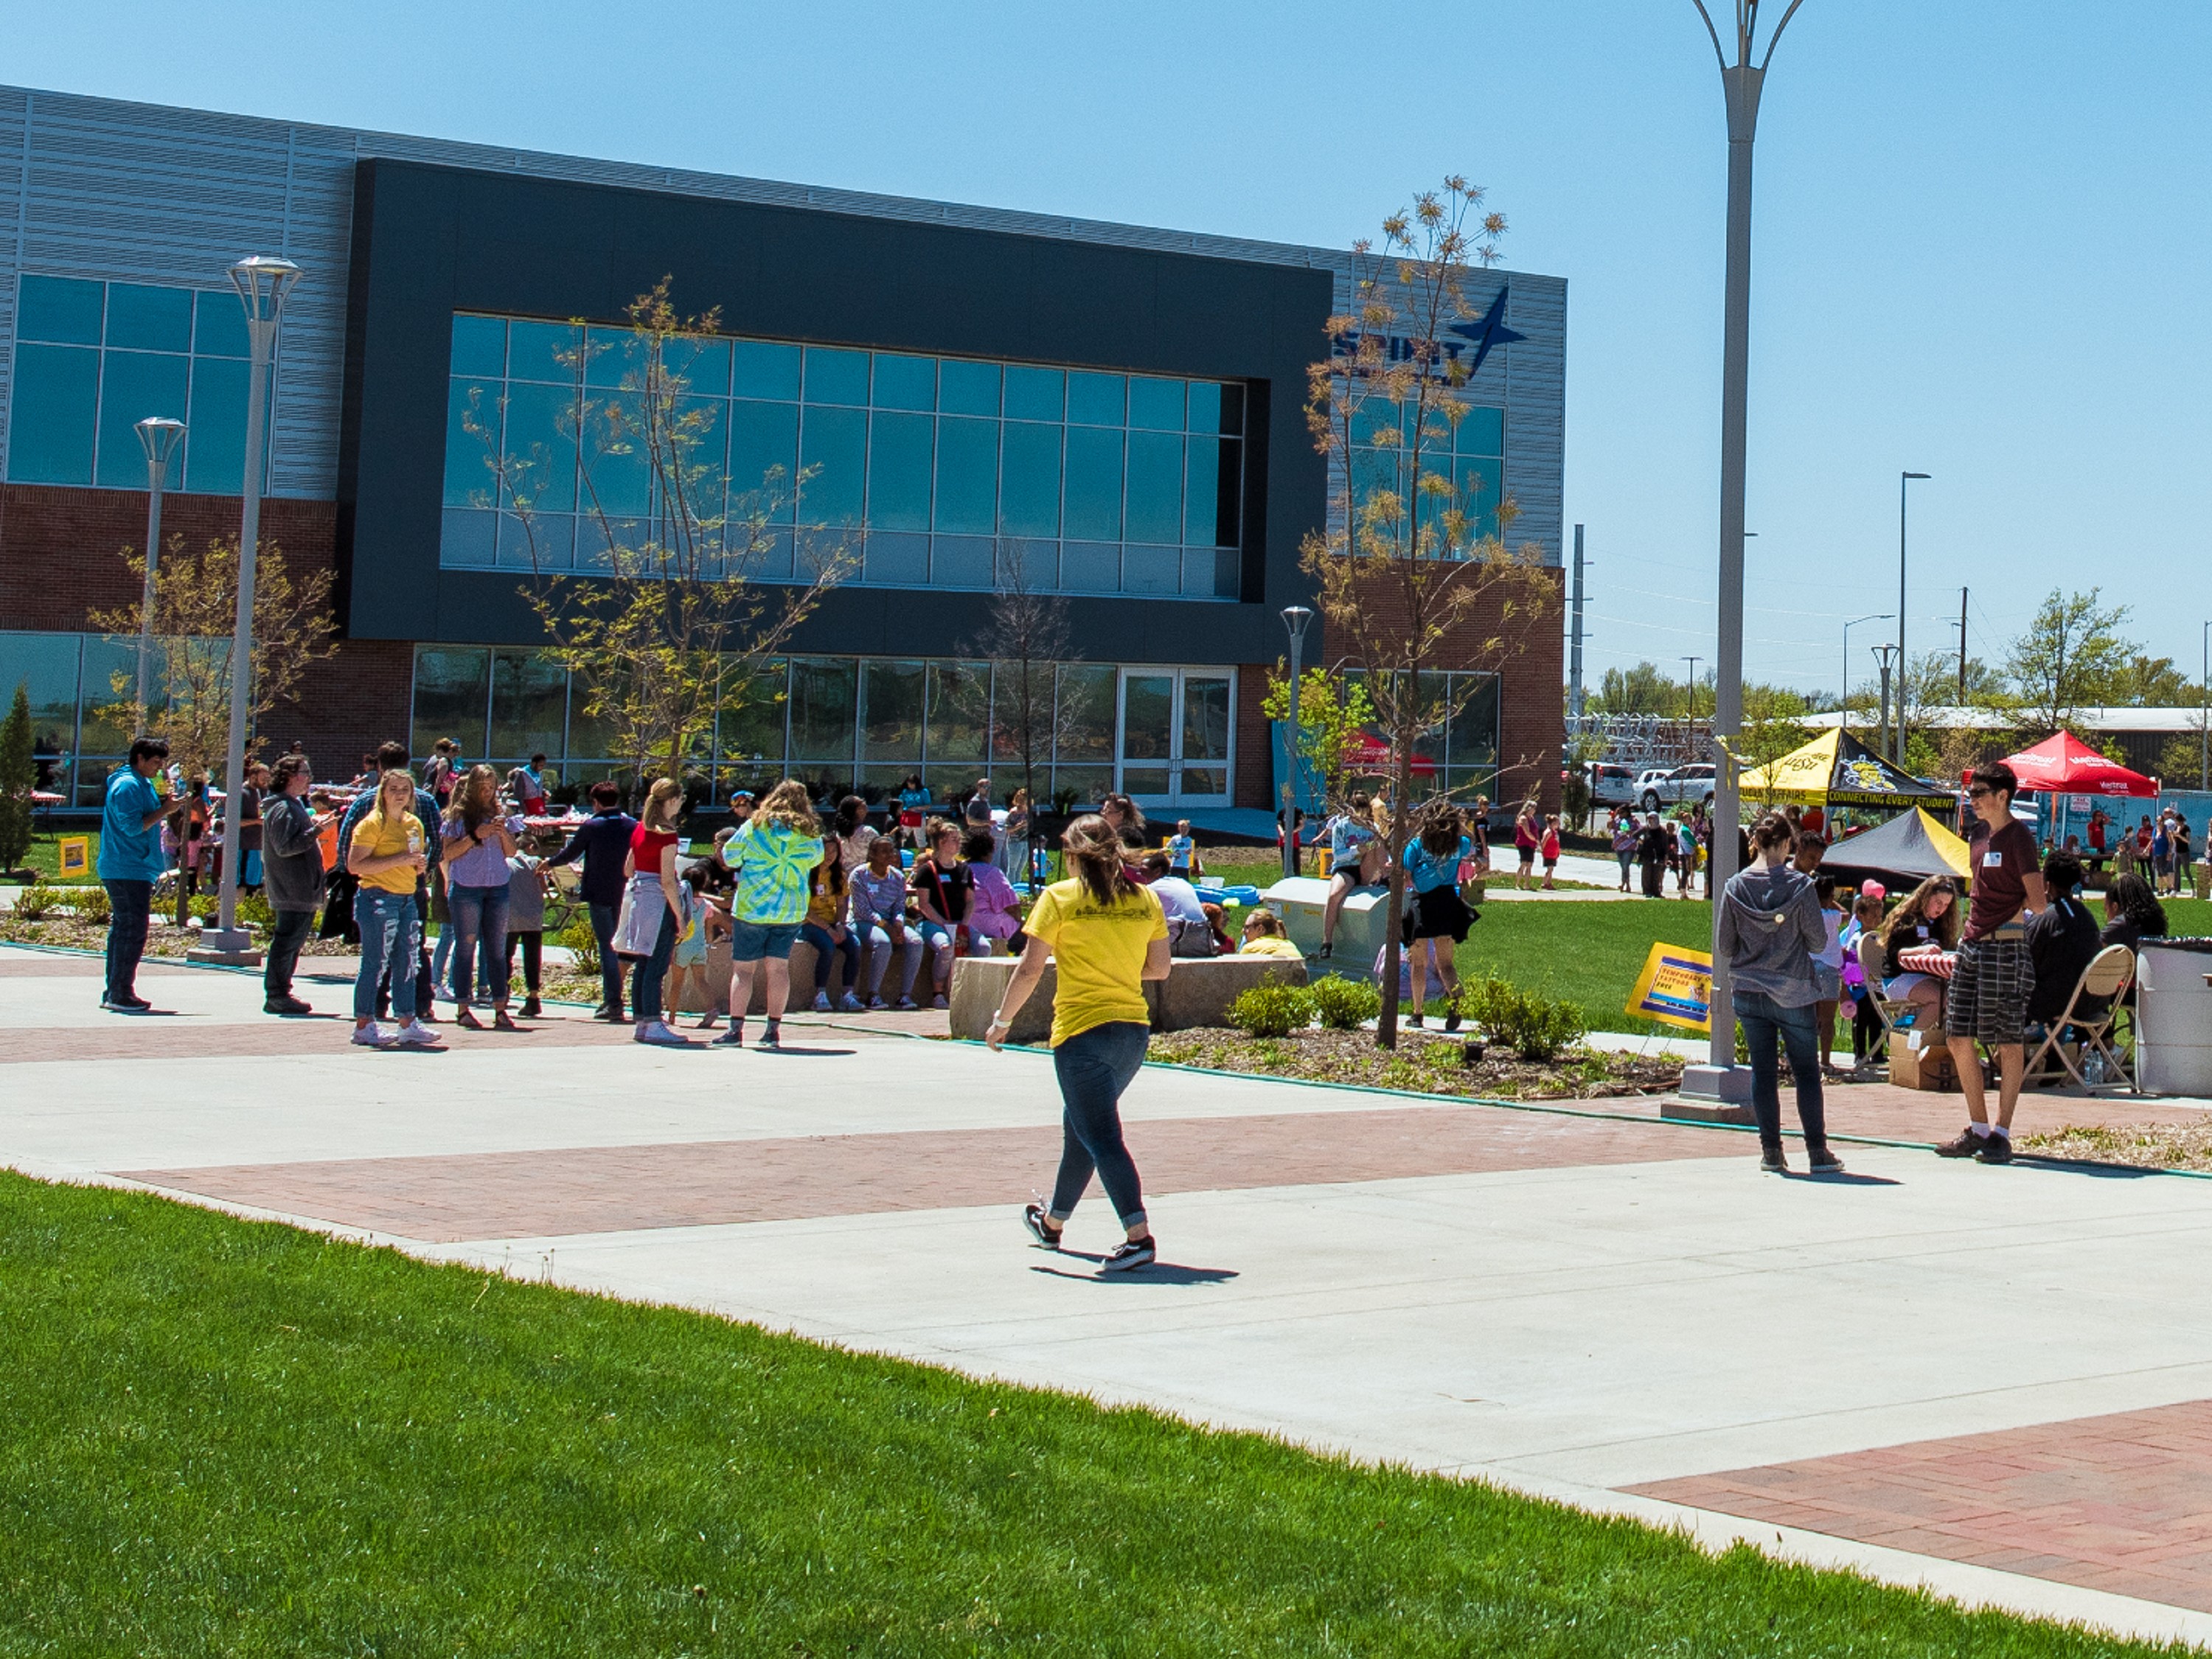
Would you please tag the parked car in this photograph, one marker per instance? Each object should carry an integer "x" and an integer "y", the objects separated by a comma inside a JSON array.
[
  {"x": 1610, "y": 785},
  {"x": 1661, "y": 787}
]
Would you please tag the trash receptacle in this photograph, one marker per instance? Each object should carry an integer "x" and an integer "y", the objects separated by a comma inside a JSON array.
[{"x": 2173, "y": 1016}]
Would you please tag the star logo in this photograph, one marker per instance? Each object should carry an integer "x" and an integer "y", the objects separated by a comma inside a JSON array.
[{"x": 1486, "y": 332}]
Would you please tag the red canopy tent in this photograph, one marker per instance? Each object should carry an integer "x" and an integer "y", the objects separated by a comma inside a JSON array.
[{"x": 2064, "y": 765}]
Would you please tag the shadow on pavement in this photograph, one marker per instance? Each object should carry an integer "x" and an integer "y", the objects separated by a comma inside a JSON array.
[{"x": 1160, "y": 1273}]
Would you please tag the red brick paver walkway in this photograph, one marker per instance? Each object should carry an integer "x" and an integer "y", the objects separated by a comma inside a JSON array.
[
  {"x": 615, "y": 1189},
  {"x": 2121, "y": 1504}
]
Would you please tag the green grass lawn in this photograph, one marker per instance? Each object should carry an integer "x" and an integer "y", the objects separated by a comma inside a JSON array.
[
  {"x": 1588, "y": 954},
  {"x": 225, "y": 1437},
  {"x": 45, "y": 855}
]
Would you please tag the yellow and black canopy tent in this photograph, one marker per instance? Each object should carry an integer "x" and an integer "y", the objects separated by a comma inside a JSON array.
[
  {"x": 1911, "y": 845},
  {"x": 1837, "y": 770}
]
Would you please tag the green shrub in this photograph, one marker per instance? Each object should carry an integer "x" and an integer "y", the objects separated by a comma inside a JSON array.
[
  {"x": 1534, "y": 1027},
  {"x": 254, "y": 911},
  {"x": 1272, "y": 1011},
  {"x": 582, "y": 943},
  {"x": 91, "y": 905},
  {"x": 1345, "y": 1004},
  {"x": 38, "y": 899}
]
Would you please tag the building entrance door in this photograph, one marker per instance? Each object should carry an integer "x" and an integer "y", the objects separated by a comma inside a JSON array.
[{"x": 1176, "y": 725}]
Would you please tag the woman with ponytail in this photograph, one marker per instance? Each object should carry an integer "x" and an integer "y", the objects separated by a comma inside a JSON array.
[{"x": 1107, "y": 936}]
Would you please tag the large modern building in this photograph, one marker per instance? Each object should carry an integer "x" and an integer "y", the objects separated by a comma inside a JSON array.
[{"x": 1120, "y": 409}]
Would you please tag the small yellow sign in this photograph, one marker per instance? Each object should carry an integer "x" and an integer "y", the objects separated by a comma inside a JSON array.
[
  {"x": 75, "y": 855},
  {"x": 1675, "y": 987}
]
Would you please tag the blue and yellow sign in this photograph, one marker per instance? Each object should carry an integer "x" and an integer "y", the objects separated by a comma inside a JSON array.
[
  {"x": 1675, "y": 987},
  {"x": 74, "y": 855}
]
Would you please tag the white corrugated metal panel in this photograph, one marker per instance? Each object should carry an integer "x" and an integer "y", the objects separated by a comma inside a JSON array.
[{"x": 14, "y": 107}]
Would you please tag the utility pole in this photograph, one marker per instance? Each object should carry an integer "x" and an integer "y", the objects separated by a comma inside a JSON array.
[
  {"x": 1904, "y": 481},
  {"x": 1575, "y": 648},
  {"x": 1694, "y": 662},
  {"x": 1885, "y": 652},
  {"x": 1962, "y": 648}
]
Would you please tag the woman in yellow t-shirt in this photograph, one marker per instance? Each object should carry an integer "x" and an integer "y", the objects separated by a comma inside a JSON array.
[
  {"x": 1107, "y": 936},
  {"x": 387, "y": 854}
]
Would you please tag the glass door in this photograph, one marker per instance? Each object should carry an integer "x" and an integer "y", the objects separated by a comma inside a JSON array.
[{"x": 1175, "y": 742}]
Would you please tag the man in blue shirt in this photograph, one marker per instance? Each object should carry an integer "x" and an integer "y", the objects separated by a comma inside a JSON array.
[
  {"x": 602, "y": 842},
  {"x": 130, "y": 862}
]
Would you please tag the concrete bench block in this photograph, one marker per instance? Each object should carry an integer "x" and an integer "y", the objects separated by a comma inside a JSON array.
[
  {"x": 1197, "y": 992},
  {"x": 714, "y": 992}
]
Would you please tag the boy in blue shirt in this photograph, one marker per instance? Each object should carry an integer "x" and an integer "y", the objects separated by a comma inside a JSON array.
[
  {"x": 1180, "y": 848},
  {"x": 130, "y": 862}
]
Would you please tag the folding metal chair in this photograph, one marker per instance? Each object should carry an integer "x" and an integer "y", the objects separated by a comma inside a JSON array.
[
  {"x": 1871, "y": 962},
  {"x": 2105, "y": 979}
]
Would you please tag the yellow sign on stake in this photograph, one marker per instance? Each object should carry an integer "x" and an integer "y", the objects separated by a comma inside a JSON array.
[
  {"x": 76, "y": 855},
  {"x": 1675, "y": 987}
]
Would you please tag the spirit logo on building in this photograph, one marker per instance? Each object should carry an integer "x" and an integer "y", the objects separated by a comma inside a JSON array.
[{"x": 1477, "y": 337}]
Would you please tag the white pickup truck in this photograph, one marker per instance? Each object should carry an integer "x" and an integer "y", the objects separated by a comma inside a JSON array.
[{"x": 1661, "y": 787}]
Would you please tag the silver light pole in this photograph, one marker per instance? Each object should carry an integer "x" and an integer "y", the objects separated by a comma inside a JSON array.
[
  {"x": 1741, "y": 82},
  {"x": 1897, "y": 729},
  {"x": 1295, "y": 618},
  {"x": 159, "y": 435},
  {"x": 1844, "y": 697},
  {"x": 2205, "y": 729},
  {"x": 261, "y": 283}
]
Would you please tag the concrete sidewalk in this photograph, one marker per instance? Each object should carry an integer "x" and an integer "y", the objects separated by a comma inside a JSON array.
[{"x": 1990, "y": 1381}]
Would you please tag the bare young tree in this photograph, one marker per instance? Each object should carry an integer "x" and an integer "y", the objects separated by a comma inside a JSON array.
[
  {"x": 1025, "y": 637},
  {"x": 1412, "y": 587},
  {"x": 660, "y": 615}
]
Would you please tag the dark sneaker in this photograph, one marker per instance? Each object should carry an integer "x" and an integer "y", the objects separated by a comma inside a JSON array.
[
  {"x": 1772, "y": 1161},
  {"x": 1040, "y": 1226},
  {"x": 771, "y": 1038},
  {"x": 532, "y": 1009},
  {"x": 1995, "y": 1149},
  {"x": 732, "y": 1038},
  {"x": 1322, "y": 955},
  {"x": 288, "y": 1006},
  {"x": 1451, "y": 1020},
  {"x": 1965, "y": 1146},
  {"x": 1825, "y": 1162},
  {"x": 1130, "y": 1253}
]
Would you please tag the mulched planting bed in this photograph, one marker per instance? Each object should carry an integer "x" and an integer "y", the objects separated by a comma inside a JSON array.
[
  {"x": 2141, "y": 1145},
  {"x": 162, "y": 940},
  {"x": 1425, "y": 1062}
]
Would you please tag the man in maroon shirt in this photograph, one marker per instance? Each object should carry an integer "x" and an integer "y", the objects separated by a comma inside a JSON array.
[{"x": 1987, "y": 999}]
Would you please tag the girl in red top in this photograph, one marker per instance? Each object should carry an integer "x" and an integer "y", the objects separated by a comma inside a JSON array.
[
  {"x": 651, "y": 870},
  {"x": 1550, "y": 847}
]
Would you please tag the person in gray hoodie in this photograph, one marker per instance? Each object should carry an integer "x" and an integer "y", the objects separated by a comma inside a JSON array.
[
  {"x": 293, "y": 879},
  {"x": 1770, "y": 928}
]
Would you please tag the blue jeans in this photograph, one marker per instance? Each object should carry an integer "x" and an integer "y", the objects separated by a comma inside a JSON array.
[
  {"x": 478, "y": 913},
  {"x": 645, "y": 992},
  {"x": 129, "y": 903},
  {"x": 604, "y": 918},
  {"x": 826, "y": 950},
  {"x": 1093, "y": 1067},
  {"x": 1763, "y": 1020},
  {"x": 441, "y": 954},
  {"x": 879, "y": 948},
  {"x": 391, "y": 942}
]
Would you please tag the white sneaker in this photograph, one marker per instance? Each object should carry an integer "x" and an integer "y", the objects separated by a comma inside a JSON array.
[
  {"x": 657, "y": 1032},
  {"x": 851, "y": 1004},
  {"x": 371, "y": 1036},
  {"x": 821, "y": 1002},
  {"x": 415, "y": 1034}
]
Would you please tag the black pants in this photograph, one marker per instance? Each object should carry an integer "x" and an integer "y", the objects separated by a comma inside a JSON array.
[
  {"x": 604, "y": 918},
  {"x": 1655, "y": 878},
  {"x": 533, "y": 958},
  {"x": 285, "y": 939},
  {"x": 130, "y": 905}
]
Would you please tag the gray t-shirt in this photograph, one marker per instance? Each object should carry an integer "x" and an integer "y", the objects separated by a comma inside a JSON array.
[{"x": 525, "y": 895}]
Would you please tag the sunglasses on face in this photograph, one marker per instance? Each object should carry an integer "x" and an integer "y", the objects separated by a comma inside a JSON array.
[{"x": 1977, "y": 792}]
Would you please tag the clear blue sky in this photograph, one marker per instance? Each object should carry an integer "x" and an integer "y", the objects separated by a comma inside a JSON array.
[{"x": 1982, "y": 247}]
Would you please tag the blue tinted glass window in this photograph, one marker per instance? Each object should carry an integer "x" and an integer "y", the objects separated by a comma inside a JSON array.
[
  {"x": 51, "y": 414},
  {"x": 1155, "y": 487},
  {"x": 967, "y": 475},
  {"x": 480, "y": 346},
  {"x": 472, "y": 437},
  {"x": 702, "y": 446},
  {"x": 763, "y": 458},
  {"x": 218, "y": 324},
  {"x": 1096, "y": 399},
  {"x": 1202, "y": 469},
  {"x": 1379, "y": 421},
  {"x": 767, "y": 370},
  {"x": 214, "y": 448},
  {"x": 58, "y": 309},
  {"x": 836, "y": 377},
  {"x": 704, "y": 365},
  {"x": 905, "y": 382},
  {"x": 1232, "y": 410},
  {"x": 836, "y": 442},
  {"x": 540, "y": 446},
  {"x": 968, "y": 388},
  {"x": 543, "y": 351},
  {"x": 1029, "y": 477},
  {"x": 140, "y": 319},
  {"x": 898, "y": 473},
  {"x": 613, "y": 357},
  {"x": 134, "y": 385},
  {"x": 1205, "y": 399},
  {"x": 1155, "y": 405},
  {"x": 618, "y": 474},
  {"x": 1035, "y": 394},
  {"x": 1094, "y": 484},
  {"x": 1481, "y": 432}
]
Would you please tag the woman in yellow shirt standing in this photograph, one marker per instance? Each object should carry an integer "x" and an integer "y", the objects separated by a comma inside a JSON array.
[
  {"x": 386, "y": 855},
  {"x": 1107, "y": 935}
]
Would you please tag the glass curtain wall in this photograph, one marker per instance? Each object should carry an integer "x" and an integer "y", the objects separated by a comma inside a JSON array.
[
  {"x": 76, "y": 738},
  {"x": 950, "y": 467},
  {"x": 1458, "y": 758},
  {"x": 1469, "y": 458}
]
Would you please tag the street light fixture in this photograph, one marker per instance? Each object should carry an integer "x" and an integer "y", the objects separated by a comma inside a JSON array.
[
  {"x": 263, "y": 283},
  {"x": 1694, "y": 662},
  {"x": 1843, "y": 700},
  {"x": 1741, "y": 82},
  {"x": 1896, "y": 732},
  {"x": 159, "y": 435},
  {"x": 1295, "y": 618}
]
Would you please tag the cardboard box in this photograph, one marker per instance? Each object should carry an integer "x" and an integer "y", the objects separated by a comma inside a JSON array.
[{"x": 1922, "y": 1060}]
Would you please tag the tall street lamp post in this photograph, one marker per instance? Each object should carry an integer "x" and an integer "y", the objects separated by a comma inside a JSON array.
[
  {"x": 2204, "y": 728},
  {"x": 1295, "y": 618},
  {"x": 1694, "y": 662},
  {"x": 1719, "y": 1079},
  {"x": 159, "y": 435},
  {"x": 1843, "y": 702},
  {"x": 261, "y": 283},
  {"x": 1896, "y": 728}
]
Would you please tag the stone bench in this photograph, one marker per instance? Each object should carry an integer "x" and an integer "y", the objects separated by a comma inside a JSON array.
[
  {"x": 1196, "y": 992},
  {"x": 715, "y": 992}
]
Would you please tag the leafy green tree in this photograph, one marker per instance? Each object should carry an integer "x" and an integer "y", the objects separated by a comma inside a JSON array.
[
  {"x": 19, "y": 775},
  {"x": 2148, "y": 681},
  {"x": 2069, "y": 659},
  {"x": 1332, "y": 709}
]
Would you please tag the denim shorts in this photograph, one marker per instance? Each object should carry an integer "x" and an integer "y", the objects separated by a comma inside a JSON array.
[{"x": 751, "y": 940}]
